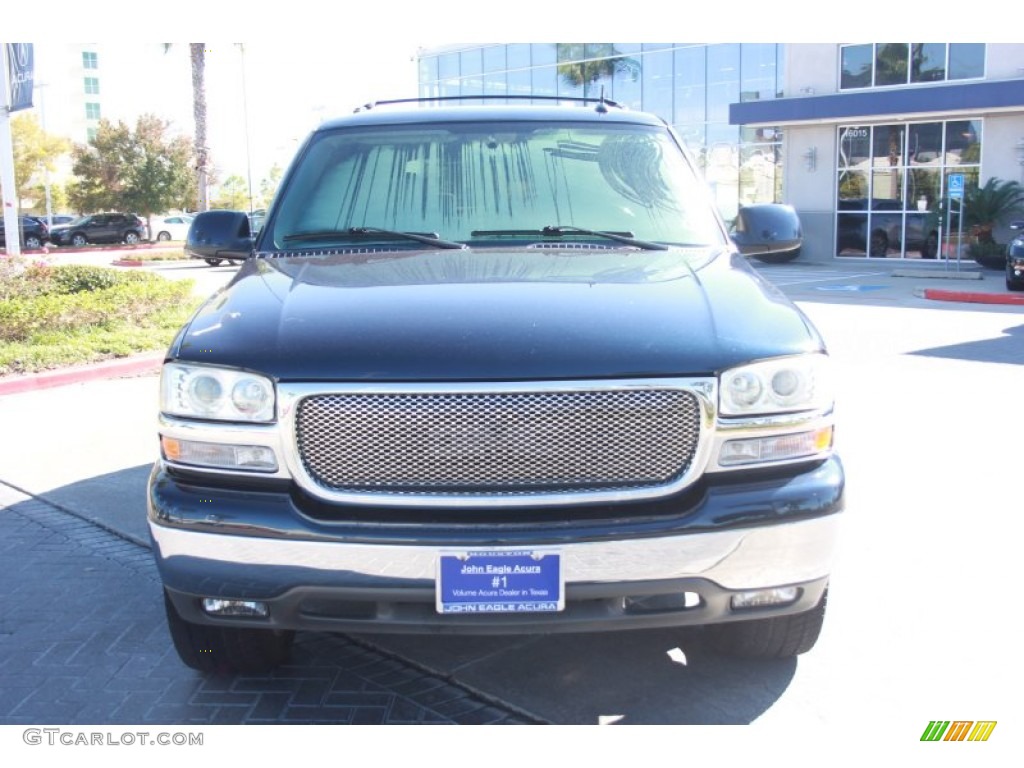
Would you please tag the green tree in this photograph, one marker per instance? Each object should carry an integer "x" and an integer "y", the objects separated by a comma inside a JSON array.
[
  {"x": 143, "y": 170},
  {"x": 35, "y": 153},
  {"x": 233, "y": 194},
  {"x": 269, "y": 184},
  {"x": 585, "y": 65}
]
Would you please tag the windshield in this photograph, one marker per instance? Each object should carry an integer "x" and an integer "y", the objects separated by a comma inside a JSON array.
[{"x": 495, "y": 183}]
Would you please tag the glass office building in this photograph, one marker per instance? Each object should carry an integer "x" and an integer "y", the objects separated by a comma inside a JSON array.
[
  {"x": 861, "y": 138},
  {"x": 689, "y": 85}
]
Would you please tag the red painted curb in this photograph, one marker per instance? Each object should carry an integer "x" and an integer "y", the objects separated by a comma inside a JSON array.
[
  {"x": 973, "y": 298},
  {"x": 108, "y": 369},
  {"x": 127, "y": 263}
]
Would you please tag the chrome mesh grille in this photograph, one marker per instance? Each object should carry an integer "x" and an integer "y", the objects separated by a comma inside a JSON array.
[{"x": 497, "y": 443}]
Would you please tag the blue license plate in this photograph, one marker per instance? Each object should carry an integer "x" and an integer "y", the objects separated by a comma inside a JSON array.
[{"x": 498, "y": 581}]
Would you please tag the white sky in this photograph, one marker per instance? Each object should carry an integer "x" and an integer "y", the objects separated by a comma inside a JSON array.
[{"x": 307, "y": 60}]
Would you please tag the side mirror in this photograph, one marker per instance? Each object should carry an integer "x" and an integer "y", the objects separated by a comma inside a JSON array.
[
  {"x": 769, "y": 232},
  {"x": 219, "y": 235}
]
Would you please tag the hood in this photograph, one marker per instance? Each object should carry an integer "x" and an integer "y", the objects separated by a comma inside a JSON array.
[{"x": 508, "y": 315}]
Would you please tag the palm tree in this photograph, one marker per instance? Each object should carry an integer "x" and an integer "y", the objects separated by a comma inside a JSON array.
[
  {"x": 197, "y": 54},
  {"x": 603, "y": 61},
  {"x": 988, "y": 206}
]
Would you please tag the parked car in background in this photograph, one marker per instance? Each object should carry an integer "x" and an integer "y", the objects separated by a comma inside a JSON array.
[
  {"x": 1015, "y": 259},
  {"x": 100, "y": 228},
  {"x": 165, "y": 228},
  {"x": 33, "y": 232},
  {"x": 769, "y": 232},
  {"x": 886, "y": 229}
]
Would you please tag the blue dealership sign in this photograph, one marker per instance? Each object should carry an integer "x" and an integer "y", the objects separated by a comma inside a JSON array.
[{"x": 20, "y": 73}]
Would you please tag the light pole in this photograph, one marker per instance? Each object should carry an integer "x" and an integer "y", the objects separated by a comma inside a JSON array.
[{"x": 245, "y": 116}]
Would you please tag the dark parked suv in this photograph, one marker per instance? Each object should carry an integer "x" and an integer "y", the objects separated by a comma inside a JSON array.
[
  {"x": 33, "y": 232},
  {"x": 491, "y": 370},
  {"x": 100, "y": 228}
]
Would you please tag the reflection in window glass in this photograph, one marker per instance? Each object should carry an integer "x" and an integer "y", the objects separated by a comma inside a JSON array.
[
  {"x": 854, "y": 146},
  {"x": 963, "y": 142},
  {"x": 690, "y": 85},
  {"x": 757, "y": 73},
  {"x": 887, "y": 189},
  {"x": 888, "y": 145},
  {"x": 891, "y": 64},
  {"x": 723, "y": 73},
  {"x": 886, "y": 235},
  {"x": 924, "y": 189},
  {"x": 851, "y": 234},
  {"x": 518, "y": 55},
  {"x": 543, "y": 54},
  {"x": 966, "y": 60},
  {"x": 428, "y": 69},
  {"x": 626, "y": 80},
  {"x": 545, "y": 81},
  {"x": 448, "y": 73},
  {"x": 759, "y": 167},
  {"x": 925, "y": 144},
  {"x": 494, "y": 59},
  {"x": 853, "y": 190},
  {"x": 927, "y": 62},
  {"x": 856, "y": 66},
  {"x": 657, "y": 84},
  {"x": 520, "y": 83}
]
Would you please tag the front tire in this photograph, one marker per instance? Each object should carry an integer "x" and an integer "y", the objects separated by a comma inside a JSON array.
[
  {"x": 131, "y": 238},
  {"x": 225, "y": 650},
  {"x": 79, "y": 241},
  {"x": 213, "y": 262},
  {"x": 163, "y": 237},
  {"x": 33, "y": 242},
  {"x": 779, "y": 637}
]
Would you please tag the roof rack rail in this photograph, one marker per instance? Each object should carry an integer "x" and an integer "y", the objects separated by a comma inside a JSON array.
[{"x": 601, "y": 102}]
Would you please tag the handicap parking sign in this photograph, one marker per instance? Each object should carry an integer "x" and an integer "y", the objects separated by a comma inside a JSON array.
[{"x": 955, "y": 185}]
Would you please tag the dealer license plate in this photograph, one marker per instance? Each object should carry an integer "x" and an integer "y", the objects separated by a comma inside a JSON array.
[{"x": 498, "y": 581}]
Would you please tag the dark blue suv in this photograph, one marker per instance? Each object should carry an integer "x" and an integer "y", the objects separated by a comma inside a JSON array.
[{"x": 491, "y": 370}]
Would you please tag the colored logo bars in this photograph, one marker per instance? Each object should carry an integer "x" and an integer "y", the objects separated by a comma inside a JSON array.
[{"x": 958, "y": 730}]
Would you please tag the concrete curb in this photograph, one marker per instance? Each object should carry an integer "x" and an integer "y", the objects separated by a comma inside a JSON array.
[
  {"x": 970, "y": 297},
  {"x": 136, "y": 365}
]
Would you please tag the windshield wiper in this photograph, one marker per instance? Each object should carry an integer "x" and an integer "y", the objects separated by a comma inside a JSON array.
[
  {"x": 558, "y": 231},
  {"x": 428, "y": 238}
]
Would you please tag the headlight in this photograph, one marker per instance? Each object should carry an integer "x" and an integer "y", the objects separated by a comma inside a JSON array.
[
  {"x": 800, "y": 383},
  {"x": 204, "y": 392}
]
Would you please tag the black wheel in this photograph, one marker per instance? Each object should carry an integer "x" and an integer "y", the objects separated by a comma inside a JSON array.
[
  {"x": 213, "y": 262},
  {"x": 879, "y": 245},
  {"x": 779, "y": 637},
  {"x": 131, "y": 238},
  {"x": 79, "y": 241},
  {"x": 777, "y": 258},
  {"x": 931, "y": 246},
  {"x": 164, "y": 237},
  {"x": 33, "y": 242},
  {"x": 224, "y": 650}
]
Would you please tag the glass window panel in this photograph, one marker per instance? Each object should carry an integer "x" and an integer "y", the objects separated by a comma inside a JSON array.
[
  {"x": 925, "y": 143},
  {"x": 923, "y": 189},
  {"x": 518, "y": 55},
  {"x": 448, "y": 69},
  {"x": 655, "y": 46},
  {"x": 920, "y": 237},
  {"x": 519, "y": 82},
  {"x": 657, "y": 83},
  {"x": 693, "y": 135},
  {"x": 963, "y": 142},
  {"x": 723, "y": 76},
  {"x": 886, "y": 235},
  {"x": 927, "y": 62},
  {"x": 887, "y": 145},
  {"x": 887, "y": 189},
  {"x": 543, "y": 54},
  {"x": 471, "y": 63},
  {"x": 92, "y": 111},
  {"x": 690, "y": 85},
  {"x": 780, "y": 71},
  {"x": 495, "y": 83},
  {"x": 494, "y": 59},
  {"x": 891, "y": 63},
  {"x": 627, "y": 88},
  {"x": 757, "y": 71},
  {"x": 966, "y": 60},
  {"x": 428, "y": 69},
  {"x": 758, "y": 168},
  {"x": 856, "y": 66},
  {"x": 854, "y": 146},
  {"x": 852, "y": 190},
  {"x": 545, "y": 81},
  {"x": 92, "y": 85},
  {"x": 570, "y": 52},
  {"x": 851, "y": 234},
  {"x": 90, "y": 60}
]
